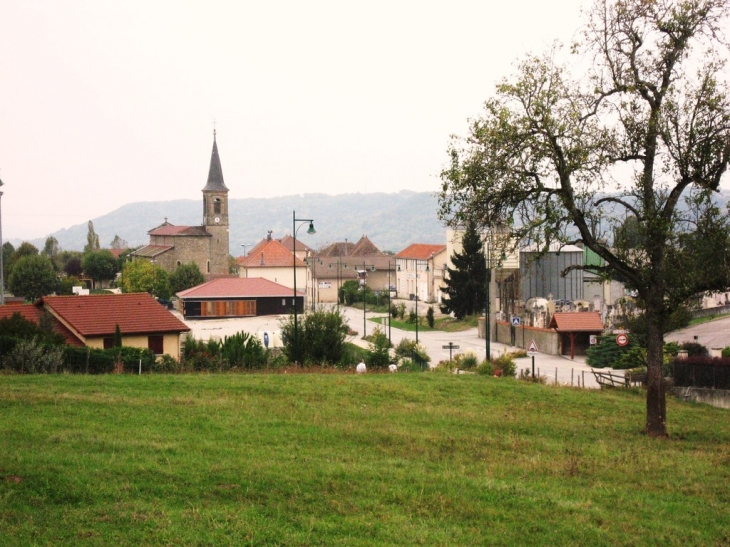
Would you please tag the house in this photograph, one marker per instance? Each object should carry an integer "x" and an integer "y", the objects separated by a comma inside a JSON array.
[
  {"x": 142, "y": 321},
  {"x": 238, "y": 297},
  {"x": 207, "y": 244},
  {"x": 271, "y": 260},
  {"x": 346, "y": 261},
  {"x": 420, "y": 271}
]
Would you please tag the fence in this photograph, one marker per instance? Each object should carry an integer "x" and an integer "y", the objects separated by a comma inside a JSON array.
[{"x": 705, "y": 372}]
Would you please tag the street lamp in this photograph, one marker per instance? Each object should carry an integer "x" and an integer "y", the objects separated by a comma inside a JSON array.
[
  {"x": 488, "y": 304},
  {"x": 294, "y": 229},
  {"x": 417, "y": 277},
  {"x": 244, "y": 245},
  {"x": 390, "y": 317}
]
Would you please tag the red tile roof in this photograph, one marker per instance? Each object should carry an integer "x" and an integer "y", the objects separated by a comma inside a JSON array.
[
  {"x": 270, "y": 255},
  {"x": 422, "y": 251},
  {"x": 288, "y": 242},
  {"x": 98, "y": 315},
  {"x": 237, "y": 287},
  {"x": 34, "y": 313},
  {"x": 585, "y": 321}
]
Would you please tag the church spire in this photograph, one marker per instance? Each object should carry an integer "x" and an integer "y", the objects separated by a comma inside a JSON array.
[{"x": 215, "y": 173}]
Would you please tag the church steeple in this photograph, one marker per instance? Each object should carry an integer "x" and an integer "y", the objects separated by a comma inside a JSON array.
[{"x": 215, "y": 173}]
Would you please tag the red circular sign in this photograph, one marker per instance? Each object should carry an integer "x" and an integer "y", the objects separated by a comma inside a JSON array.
[{"x": 622, "y": 339}]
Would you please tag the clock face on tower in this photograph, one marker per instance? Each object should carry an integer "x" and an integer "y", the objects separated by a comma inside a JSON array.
[{"x": 217, "y": 220}]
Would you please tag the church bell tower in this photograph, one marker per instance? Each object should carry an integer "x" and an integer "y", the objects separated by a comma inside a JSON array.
[{"x": 215, "y": 215}]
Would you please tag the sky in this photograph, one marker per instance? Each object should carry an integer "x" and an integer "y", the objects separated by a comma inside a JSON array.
[{"x": 107, "y": 103}]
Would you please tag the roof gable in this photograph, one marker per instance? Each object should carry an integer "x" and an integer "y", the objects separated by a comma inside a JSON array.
[
  {"x": 237, "y": 287},
  {"x": 270, "y": 255},
  {"x": 34, "y": 313},
  {"x": 98, "y": 315},
  {"x": 421, "y": 251},
  {"x": 582, "y": 321}
]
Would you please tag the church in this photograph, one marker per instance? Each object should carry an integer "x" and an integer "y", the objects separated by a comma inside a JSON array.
[{"x": 205, "y": 245}]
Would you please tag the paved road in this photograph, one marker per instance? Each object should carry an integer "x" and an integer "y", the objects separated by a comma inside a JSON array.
[
  {"x": 713, "y": 334},
  {"x": 567, "y": 371}
]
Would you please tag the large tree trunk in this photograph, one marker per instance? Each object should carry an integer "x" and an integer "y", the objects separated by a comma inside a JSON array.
[{"x": 656, "y": 407}]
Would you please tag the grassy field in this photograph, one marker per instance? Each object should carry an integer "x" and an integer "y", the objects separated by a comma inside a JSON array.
[{"x": 337, "y": 459}]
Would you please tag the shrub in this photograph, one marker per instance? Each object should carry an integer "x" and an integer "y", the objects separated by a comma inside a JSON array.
[
  {"x": 393, "y": 310},
  {"x": 694, "y": 349},
  {"x": 402, "y": 310},
  {"x": 379, "y": 354},
  {"x": 726, "y": 351},
  {"x": 166, "y": 364},
  {"x": 634, "y": 357},
  {"x": 466, "y": 361},
  {"x": 607, "y": 352},
  {"x": 485, "y": 368},
  {"x": 505, "y": 364},
  {"x": 405, "y": 348},
  {"x": 412, "y": 317},
  {"x": 31, "y": 356},
  {"x": 321, "y": 337},
  {"x": 429, "y": 317},
  {"x": 243, "y": 350}
]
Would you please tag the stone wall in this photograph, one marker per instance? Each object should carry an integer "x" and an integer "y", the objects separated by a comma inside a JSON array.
[{"x": 547, "y": 340}]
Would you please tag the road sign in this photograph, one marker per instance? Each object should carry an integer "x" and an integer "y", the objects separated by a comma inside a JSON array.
[
  {"x": 451, "y": 347},
  {"x": 515, "y": 321},
  {"x": 532, "y": 348},
  {"x": 593, "y": 339},
  {"x": 622, "y": 339}
]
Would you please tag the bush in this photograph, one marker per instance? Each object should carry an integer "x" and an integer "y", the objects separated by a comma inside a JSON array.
[
  {"x": 466, "y": 361},
  {"x": 379, "y": 354},
  {"x": 607, "y": 352},
  {"x": 32, "y": 356},
  {"x": 165, "y": 364},
  {"x": 506, "y": 365},
  {"x": 321, "y": 337},
  {"x": 633, "y": 358},
  {"x": 485, "y": 368},
  {"x": 412, "y": 317},
  {"x": 402, "y": 310},
  {"x": 694, "y": 349},
  {"x": 429, "y": 317},
  {"x": 726, "y": 351},
  {"x": 393, "y": 310}
]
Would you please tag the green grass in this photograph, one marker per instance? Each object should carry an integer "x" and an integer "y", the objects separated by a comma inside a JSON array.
[
  {"x": 446, "y": 324},
  {"x": 700, "y": 320},
  {"x": 336, "y": 459}
]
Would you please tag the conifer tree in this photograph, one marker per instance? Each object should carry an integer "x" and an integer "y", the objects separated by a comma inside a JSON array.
[{"x": 466, "y": 281}]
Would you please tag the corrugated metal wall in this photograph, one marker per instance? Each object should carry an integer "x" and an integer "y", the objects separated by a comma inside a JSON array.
[{"x": 541, "y": 277}]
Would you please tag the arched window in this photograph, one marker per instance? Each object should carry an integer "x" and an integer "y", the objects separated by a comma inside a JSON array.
[{"x": 217, "y": 206}]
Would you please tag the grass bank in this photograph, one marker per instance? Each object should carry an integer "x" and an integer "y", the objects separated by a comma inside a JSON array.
[{"x": 403, "y": 459}]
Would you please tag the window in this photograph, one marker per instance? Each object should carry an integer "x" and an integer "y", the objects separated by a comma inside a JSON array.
[
  {"x": 156, "y": 344},
  {"x": 217, "y": 206},
  {"x": 108, "y": 343}
]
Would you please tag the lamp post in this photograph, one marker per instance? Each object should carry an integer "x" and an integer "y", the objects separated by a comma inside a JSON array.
[
  {"x": 294, "y": 229},
  {"x": 244, "y": 245},
  {"x": 390, "y": 317},
  {"x": 488, "y": 303},
  {"x": 417, "y": 277}
]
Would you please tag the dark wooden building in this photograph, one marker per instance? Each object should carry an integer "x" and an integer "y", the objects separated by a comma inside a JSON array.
[{"x": 238, "y": 297}]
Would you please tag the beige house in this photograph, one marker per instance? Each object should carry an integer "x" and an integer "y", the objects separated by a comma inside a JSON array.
[
  {"x": 420, "y": 271},
  {"x": 142, "y": 321},
  {"x": 272, "y": 261}
]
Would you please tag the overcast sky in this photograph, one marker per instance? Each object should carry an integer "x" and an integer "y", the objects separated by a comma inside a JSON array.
[{"x": 104, "y": 103}]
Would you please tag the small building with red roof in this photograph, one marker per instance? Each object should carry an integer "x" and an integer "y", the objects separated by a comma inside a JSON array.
[
  {"x": 93, "y": 319},
  {"x": 272, "y": 261},
  {"x": 575, "y": 329},
  {"x": 238, "y": 297},
  {"x": 420, "y": 271},
  {"x": 35, "y": 314}
]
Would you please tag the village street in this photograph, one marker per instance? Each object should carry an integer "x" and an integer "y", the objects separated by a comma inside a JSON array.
[{"x": 567, "y": 371}]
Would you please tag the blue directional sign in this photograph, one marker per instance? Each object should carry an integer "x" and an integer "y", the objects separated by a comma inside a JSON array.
[{"x": 515, "y": 321}]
